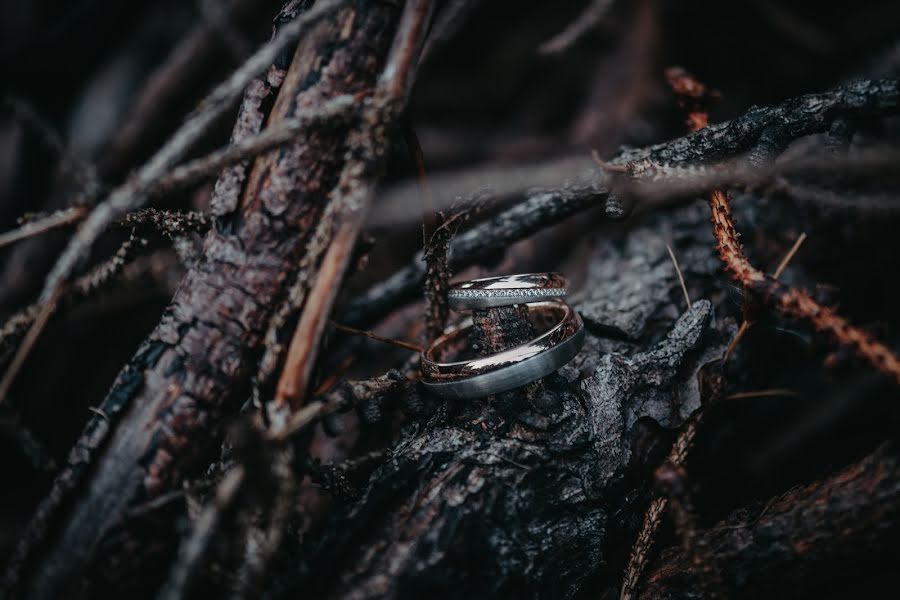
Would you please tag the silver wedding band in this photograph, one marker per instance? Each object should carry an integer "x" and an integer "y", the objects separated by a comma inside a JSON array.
[{"x": 518, "y": 366}]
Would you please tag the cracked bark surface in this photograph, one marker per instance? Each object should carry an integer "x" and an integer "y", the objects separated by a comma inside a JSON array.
[
  {"x": 526, "y": 495},
  {"x": 542, "y": 496},
  {"x": 831, "y": 540},
  {"x": 195, "y": 367},
  {"x": 532, "y": 494},
  {"x": 376, "y": 489}
]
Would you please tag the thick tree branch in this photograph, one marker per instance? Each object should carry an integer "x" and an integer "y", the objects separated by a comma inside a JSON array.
[
  {"x": 196, "y": 365},
  {"x": 810, "y": 538},
  {"x": 134, "y": 193}
]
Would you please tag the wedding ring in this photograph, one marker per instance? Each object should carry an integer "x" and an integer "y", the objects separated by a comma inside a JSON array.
[
  {"x": 506, "y": 370},
  {"x": 506, "y": 290}
]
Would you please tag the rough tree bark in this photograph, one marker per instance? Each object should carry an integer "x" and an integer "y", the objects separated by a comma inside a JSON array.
[
  {"x": 543, "y": 496},
  {"x": 538, "y": 492},
  {"x": 792, "y": 545},
  {"x": 195, "y": 367}
]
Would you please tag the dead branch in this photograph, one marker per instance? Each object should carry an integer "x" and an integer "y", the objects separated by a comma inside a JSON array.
[
  {"x": 198, "y": 360},
  {"x": 834, "y": 526},
  {"x": 134, "y": 193},
  {"x": 792, "y": 302},
  {"x": 792, "y": 119},
  {"x": 582, "y": 25},
  {"x": 31, "y": 228},
  {"x": 335, "y": 234}
]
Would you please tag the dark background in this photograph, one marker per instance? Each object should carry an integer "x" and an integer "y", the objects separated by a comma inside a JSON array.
[{"x": 486, "y": 97}]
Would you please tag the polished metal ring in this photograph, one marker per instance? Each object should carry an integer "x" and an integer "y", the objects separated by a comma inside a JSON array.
[
  {"x": 509, "y": 369},
  {"x": 506, "y": 290}
]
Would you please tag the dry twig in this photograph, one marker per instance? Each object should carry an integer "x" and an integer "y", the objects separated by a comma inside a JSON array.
[
  {"x": 31, "y": 228},
  {"x": 577, "y": 29},
  {"x": 135, "y": 192},
  {"x": 378, "y": 338},
  {"x": 687, "y": 297},
  {"x": 746, "y": 323},
  {"x": 791, "y": 302},
  {"x": 693, "y": 157}
]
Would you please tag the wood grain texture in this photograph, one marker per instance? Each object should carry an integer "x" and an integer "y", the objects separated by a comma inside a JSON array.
[{"x": 195, "y": 367}]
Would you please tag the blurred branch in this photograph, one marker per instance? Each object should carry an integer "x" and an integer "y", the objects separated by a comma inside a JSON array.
[
  {"x": 136, "y": 191},
  {"x": 577, "y": 29},
  {"x": 851, "y": 513},
  {"x": 792, "y": 302},
  {"x": 658, "y": 164}
]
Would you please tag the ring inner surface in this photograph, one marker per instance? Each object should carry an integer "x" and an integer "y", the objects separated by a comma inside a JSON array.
[{"x": 450, "y": 357}]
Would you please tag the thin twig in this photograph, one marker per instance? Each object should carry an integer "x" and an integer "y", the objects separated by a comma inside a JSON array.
[
  {"x": 85, "y": 174},
  {"x": 203, "y": 167},
  {"x": 136, "y": 191},
  {"x": 745, "y": 325},
  {"x": 761, "y": 394},
  {"x": 643, "y": 544},
  {"x": 197, "y": 544},
  {"x": 687, "y": 297},
  {"x": 414, "y": 148},
  {"x": 31, "y": 320},
  {"x": 649, "y": 187},
  {"x": 437, "y": 278},
  {"x": 791, "y": 302},
  {"x": 577, "y": 29},
  {"x": 34, "y": 332},
  {"x": 741, "y": 332},
  {"x": 789, "y": 256},
  {"x": 378, "y": 338},
  {"x": 273, "y": 137},
  {"x": 344, "y": 397},
  {"x": 60, "y": 218},
  {"x": 674, "y": 481}
]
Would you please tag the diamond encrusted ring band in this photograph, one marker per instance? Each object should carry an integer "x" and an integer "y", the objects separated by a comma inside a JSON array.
[
  {"x": 510, "y": 369},
  {"x": 506, "y": 290}
]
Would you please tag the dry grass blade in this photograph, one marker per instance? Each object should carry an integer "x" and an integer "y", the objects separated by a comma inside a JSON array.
[
  {"x": 761, "y": 394},
  {"x": 34, "y": 332},
  {"x": 789, "y": 256},
  {"x": 687, "y": 297}
]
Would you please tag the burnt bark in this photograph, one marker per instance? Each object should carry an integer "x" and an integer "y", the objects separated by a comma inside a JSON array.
[
  {"x": 525, "y": 500},
  {"x": 666, "y": 163},
  {"x": 163, "y": 413},
  {"x": 249, "y": 448},
  {"x": 831, "y": 536}
]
